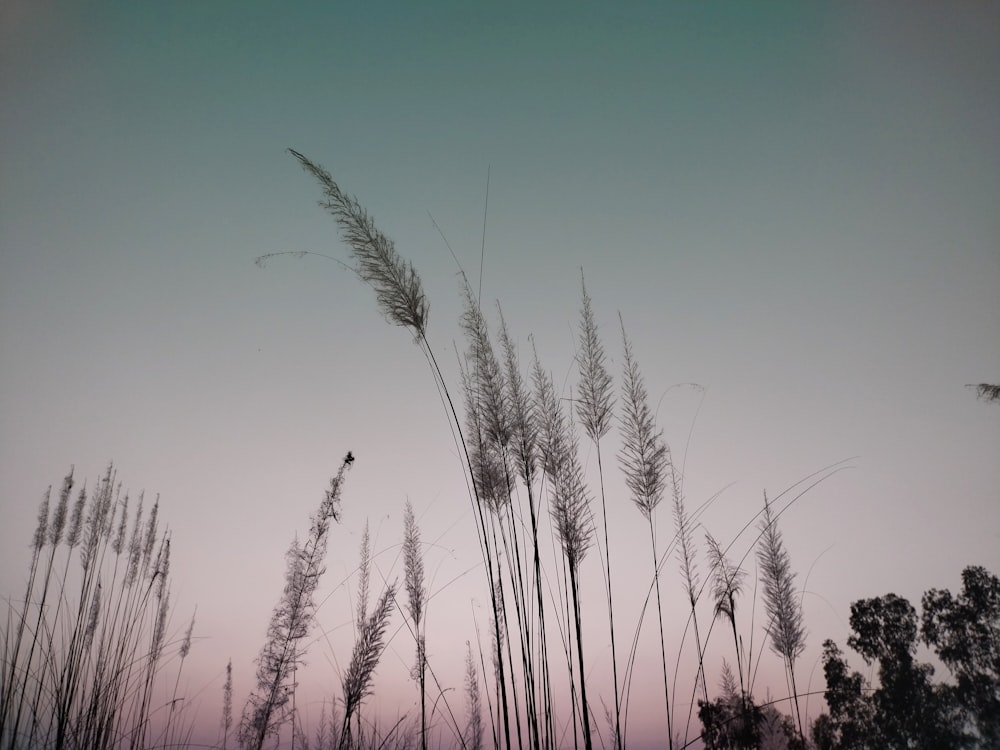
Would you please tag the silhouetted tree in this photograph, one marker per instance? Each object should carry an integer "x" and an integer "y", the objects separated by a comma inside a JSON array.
[
  {"x": 964, "y": 631},
  {"x": 735, "y": 722},
  {"x": 906, "y": 709}
]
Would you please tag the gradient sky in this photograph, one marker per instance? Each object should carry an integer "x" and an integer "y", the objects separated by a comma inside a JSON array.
[{"x": 793, "y": 206}]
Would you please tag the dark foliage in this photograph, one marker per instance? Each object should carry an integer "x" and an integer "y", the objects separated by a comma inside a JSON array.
[
  {"x": 965, "y": 633},
  {"x": 907, "y": 709},
  {"x": 734, "y": 723}
]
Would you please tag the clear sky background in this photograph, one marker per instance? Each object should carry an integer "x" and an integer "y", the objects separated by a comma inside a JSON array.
[{"x": 793, "y": 206}]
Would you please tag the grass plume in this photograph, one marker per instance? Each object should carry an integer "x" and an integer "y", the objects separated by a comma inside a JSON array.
[
  {"x": 397, "y": 286},
  {"x": 267, "y": 708},
  {"x": 787, "y": 632}
]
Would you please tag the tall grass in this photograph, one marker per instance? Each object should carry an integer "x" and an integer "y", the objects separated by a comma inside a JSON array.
[
  {"x": 87, "y": 643},
  {"x": 268, "y": 706},
  {"x": 512, "y": 445},
  {"x": 84, "y": 648},
  {"x": 594, "y": 404}
]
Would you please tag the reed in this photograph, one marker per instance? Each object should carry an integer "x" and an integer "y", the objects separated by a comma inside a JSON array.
[
  {"x": 473, "y": 739},
  {"x": 267, "y": 707},
  {"x": 83, "y": 650},
  {"x": 594, "y": 406},
  {"x": 787, "y": 632},
  {"x": 644, "y": 460},
  {"x": 416, "y": 594},
  {"x": 519, "y": 443},
  {"x": 357, "y": 682}
]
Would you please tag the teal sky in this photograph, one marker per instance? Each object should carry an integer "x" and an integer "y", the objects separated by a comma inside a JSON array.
[{"x": 793, "y": 206}]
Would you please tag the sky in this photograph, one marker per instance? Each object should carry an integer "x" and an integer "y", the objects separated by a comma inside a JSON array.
[{"x": 793, "y": 207}]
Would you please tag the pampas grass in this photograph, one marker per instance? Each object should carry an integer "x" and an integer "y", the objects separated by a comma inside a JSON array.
[
  {"x": 397, "y": 286},
  {"x": 80, "y": 670},
  {"x": 82, "y": 653},
  {"x": 507, "y": 439},
  {"x": 787, "y": 632},
  {"x": 594, "y": 407},
  {"x": 357, "y": 681},
  {"x": 644, "y": 462},
  {"x": 267, "y": 707},
  {"x": 416, "y": 592}
]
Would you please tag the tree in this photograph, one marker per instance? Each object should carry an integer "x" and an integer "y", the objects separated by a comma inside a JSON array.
[
  {"x": 910, "y": 710},
  {"x": 734, "y": 722},
  {"x": 965, "y": 633},
  {"x": 907, "y": 709}
]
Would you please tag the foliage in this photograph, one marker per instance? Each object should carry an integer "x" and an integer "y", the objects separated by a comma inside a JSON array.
[
  {"x": 907, "y": 709},
  {"x": 731, "y": 722},
  {"x": 965, "y": 633}
]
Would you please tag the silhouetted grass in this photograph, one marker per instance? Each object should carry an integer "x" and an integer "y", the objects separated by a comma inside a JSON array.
[
  {"x": 85, "y": 646},
  {"x": 514, "y": 445},
  {"x": 83, "y": 649}
]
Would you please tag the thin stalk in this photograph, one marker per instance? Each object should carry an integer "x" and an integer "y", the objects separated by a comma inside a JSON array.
[{"x": 663, "y": 645}]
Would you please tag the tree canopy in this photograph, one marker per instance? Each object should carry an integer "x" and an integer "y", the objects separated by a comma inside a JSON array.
[{"x": 906, "y": 708}]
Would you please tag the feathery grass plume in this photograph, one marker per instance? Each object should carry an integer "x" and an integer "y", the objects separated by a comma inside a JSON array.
[
  {"x": 92, "y": 618},
  {"x": 727, "y": 682},
  {"x": 227, "y": 704},
  {"x": 42, "y": 531},
  {"x": 570, "y": 501},
  {"x": 497, "y": 633},
  {"x": 267, "y": 709},
  {"x": 182, "y": 652},
  {"x": 784, "y": 612},
  {"x": 134, "y": 546},
  {"x": 397, "y": 286},
  {"x": 524, "y": 432},
  {"x": 644, "y": 460},
  {"x": 486, "y": 375},
  {"x": 119, "y": 541},
  {"x": 571, "y": 504},
  {"x": 474, "y": 726},
  {"x": 684, "y": 533},
  {"x": 58, "y": 524},
  {"x": 402, "y": 300},
  {"x": 594, "y": 407},
  {"x": 364, "y": 576},
  {"x": 42, "y": 526},
  {"x": 99, "y": 518},
  {"x": 151, "y": 530},
  {"x": 727, "y": 584},
  {"x": 486, "y": 436},
  {"x": 569, "y": 507},
  {"x": 595, "y": 401},
  {"x": 78, "y": 674},
  {"x": 550, "y": 419},
  {"x": 76, "y": 518},
  {"x": 485, "y": 459},
  {"x": 525, "y": 449},
  {"x": 9, "y": 675},
  {"x": 367, "y": 652},
  {"x": 986, "y": 392},
  {"x": 684, "y": 536},
  {"x": 413, "y": 563}
]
